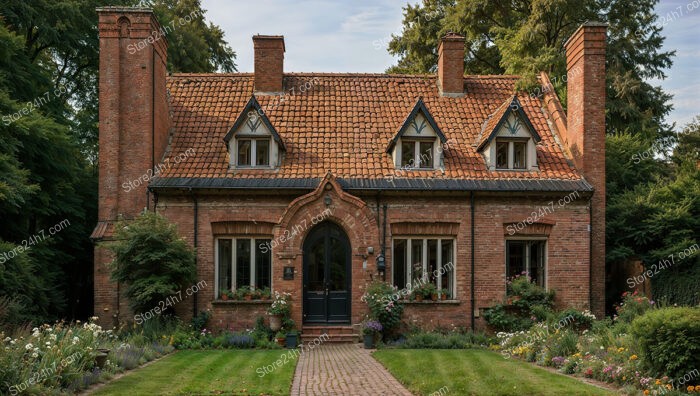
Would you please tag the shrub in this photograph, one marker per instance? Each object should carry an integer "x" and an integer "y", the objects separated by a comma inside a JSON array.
[
  {"x": 200, "y": 321},
  {"x": 384, "y": 306},
  {"x": 575, "y": 320},
  {"x": 632, "y": 306},
  {"x": 526, "y": 303},
  {"x": 669, "y": 339},
  {"x": 152, "y": 260}
]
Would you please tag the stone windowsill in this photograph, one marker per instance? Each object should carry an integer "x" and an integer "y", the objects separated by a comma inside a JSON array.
[
  {"x": 432, "y": 302},
  {"x": 242, "y": 302}
]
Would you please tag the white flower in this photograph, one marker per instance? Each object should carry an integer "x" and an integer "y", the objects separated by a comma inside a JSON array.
[
  {"x": 35, "y": 355},
  {"x": 52, "y": 337},
  {"x": 28, "y": 346},
  {"x": 12, "y": 342},
  {"x": 48, "y": 343},
  {"x": 8, "y": 339},
  {"x": 75, "y": 340}
]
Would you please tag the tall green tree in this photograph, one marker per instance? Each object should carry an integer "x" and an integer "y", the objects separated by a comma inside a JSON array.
[
  {"x": 525, "y": 37},
  {"x": 49, "y": 59}
]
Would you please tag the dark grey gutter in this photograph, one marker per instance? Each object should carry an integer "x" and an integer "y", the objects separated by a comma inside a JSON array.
[{"x": 422, "y": 184}]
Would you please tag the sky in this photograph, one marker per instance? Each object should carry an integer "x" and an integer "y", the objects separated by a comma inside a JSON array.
[{"x": 352, "y": 36}]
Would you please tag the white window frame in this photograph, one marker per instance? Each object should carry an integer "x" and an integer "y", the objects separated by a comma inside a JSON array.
[
  {"x": 417, "y": 153},
  {"x": 254, "y": 151},
  {"x": 527, "y": 258},
  {"x": 511, "y": 152},
  {"x": 424, "y": 259},
  {"x": 234, "y": 274}
]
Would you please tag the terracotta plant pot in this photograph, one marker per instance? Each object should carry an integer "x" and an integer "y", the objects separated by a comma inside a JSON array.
[
  {"x": 434, "y": 296},
  {"x": 224, "y": 297},
  {"x": 275, "y": 322},
  {"x": 248, "y": 297},
  {"x": 444, "y": 296},
  {"x": 280, "y": 341},
  {"x": 419, "y": 297}
]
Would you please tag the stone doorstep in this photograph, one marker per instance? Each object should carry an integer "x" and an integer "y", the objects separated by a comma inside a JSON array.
[{"x": 337, "y": 334}]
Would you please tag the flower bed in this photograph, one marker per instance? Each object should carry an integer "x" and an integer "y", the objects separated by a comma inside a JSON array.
[
  {"x": 609, "y": 351},
  {"x": 69, "y": 357}
]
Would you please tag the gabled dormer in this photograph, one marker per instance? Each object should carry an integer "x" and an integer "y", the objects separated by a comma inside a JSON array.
[
  {"x": 508, "y": 139},
  {"x": 252, "y": 141},
  {"x": 418, "y": 143}
]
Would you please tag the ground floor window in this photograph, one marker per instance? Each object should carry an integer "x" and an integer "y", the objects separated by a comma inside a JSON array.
[
  {"x": 526, "y": 258},
  {"x": 243, "y": 262},
  {"x": 424, "y": 260}
]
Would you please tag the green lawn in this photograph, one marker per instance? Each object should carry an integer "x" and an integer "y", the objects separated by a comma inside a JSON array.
[
  {"x": 227, "y": 372},
  {"x": 476, "y": 372}
]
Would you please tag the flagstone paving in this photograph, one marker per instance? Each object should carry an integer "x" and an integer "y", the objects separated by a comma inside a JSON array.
[{"x": 342, "y": 369}]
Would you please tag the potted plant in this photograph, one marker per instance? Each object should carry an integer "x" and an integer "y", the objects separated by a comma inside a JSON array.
[
  {"x": 256, "y": 293},
  {"x": 430, "y": 291},
  {"x": 224, "y": 295},
  {"x": 246, "y": 292},
  {"x": 370, "y": 330},
  {"x": 445, "y": 294},
  {"x": 279, "y": 310},
  {"x": 291, "y": 339},
  {"x": 265, "y": 293},
  {"x": 417, "y": 294},
  {"x": 279, "y": 338}
]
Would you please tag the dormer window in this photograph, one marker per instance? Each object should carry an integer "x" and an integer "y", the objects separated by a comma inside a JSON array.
[
  {"x": 511, "y": 153},
  {"x": 253, "y": 151},
  {"x": 508, "y": 139},
  {"x": 416, "y": 145},
  {"x": 252, "y": 141},
  {"x": 417, "y": 154}
]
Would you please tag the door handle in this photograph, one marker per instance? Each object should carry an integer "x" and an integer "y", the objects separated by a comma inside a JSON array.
[{"x": 326, "y": 291}]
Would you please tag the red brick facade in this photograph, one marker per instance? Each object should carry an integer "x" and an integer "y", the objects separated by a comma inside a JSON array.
[{"x": 137, "y": 128}]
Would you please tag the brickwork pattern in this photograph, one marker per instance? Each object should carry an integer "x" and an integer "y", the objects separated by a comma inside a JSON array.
[{"x": 343, "y": 369}]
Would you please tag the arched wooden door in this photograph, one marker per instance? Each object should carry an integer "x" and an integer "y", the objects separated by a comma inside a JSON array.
[{"x": 327, "y": 273}]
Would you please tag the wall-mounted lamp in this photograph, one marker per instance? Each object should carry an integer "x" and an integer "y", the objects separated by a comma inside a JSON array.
[
  {"x": 327, "y": 200},
  {"x": 381, "y": 265}
]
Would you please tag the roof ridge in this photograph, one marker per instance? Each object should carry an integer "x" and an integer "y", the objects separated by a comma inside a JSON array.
[{"x": 331, "y": 74}]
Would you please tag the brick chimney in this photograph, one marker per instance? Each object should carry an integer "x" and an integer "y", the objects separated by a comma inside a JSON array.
[
  {"x": 269, "y": 63},
  {"x": 451, "y": 65},
  {"x": 585, "y": 136},
  {"x": 133, "y": 121}
]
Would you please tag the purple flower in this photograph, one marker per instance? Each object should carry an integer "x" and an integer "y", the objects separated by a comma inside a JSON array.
[{"x": 373, "y": 325}]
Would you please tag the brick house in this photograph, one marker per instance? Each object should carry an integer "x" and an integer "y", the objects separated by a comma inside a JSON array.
[{"x": 316, "y": 183}]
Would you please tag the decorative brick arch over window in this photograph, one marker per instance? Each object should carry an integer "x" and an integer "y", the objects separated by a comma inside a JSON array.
[{"x": 542, "y": 228}]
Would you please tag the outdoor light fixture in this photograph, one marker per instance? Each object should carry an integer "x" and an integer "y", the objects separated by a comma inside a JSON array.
[
  {"x": 327, "y": 200},
  {"x": 381, "y": 265}
]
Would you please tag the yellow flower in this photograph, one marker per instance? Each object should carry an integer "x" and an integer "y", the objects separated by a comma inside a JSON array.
[
  {"x": 691, "y": 388},
  {"x": 668, "y": 386},
  {"x": 620, "y": 349},
  {"x": 633, "y": 357},
  {"x": 646, "y": 392}
]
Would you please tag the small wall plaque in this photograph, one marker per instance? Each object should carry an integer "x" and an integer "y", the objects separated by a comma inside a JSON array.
[{"x": 288, "y": 273}]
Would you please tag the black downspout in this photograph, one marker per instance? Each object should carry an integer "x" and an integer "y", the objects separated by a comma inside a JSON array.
[
  {"x": 196, "y": 218},
  {"x": 153, "y": 121},
  {"x": 384, "y": 243},
  {"x": 590, "y": 254},
  {"x": 473, "y": 260}
]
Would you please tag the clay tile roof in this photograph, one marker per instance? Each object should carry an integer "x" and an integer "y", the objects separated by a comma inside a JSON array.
[{"x": 343, "y": 123}]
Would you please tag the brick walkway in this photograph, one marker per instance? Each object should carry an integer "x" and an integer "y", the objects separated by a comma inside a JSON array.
[{"x": 343, "y": 369}]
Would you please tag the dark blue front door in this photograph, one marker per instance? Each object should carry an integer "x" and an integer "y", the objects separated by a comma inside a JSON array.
[{"x": 327, "y": 275}]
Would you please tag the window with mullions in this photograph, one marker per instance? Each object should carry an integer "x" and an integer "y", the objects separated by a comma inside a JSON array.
[
  {"x": 417, "y": 154},
  {"x": 526, "y": 258},
  {"x": 243, "y": 262},
  {"x": 428, "y": 260},
  {"x": 253, "y": 152}
]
